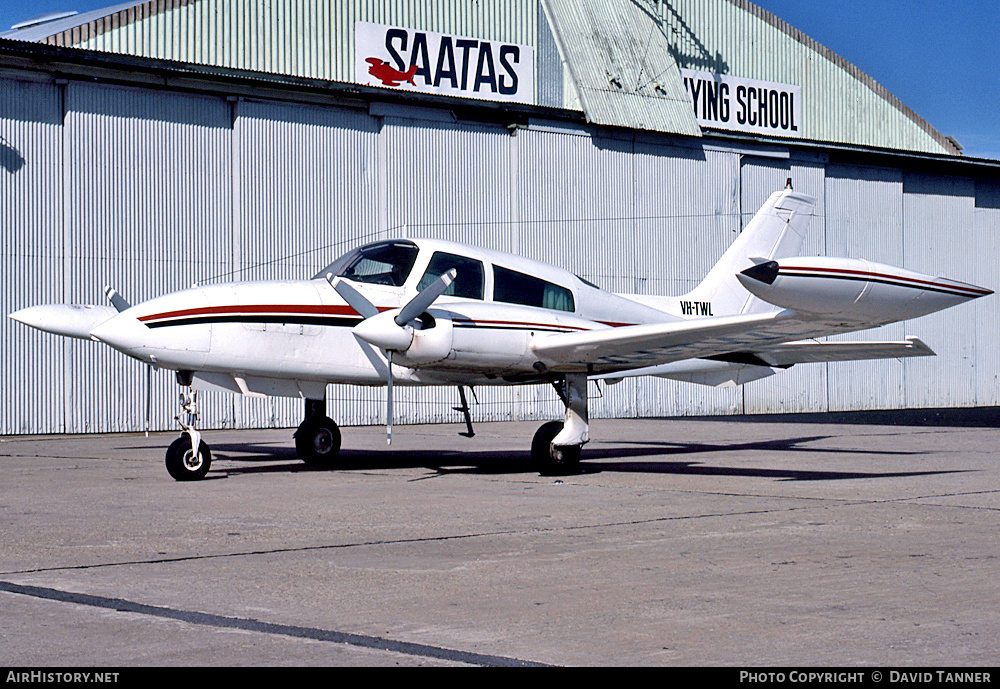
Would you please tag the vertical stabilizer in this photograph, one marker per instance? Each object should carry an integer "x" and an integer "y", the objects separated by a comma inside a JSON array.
[{"x": 776, "y": 231}]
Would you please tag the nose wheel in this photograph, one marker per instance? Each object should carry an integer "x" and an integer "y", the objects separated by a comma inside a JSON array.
[{"x": 184, "y": 463}]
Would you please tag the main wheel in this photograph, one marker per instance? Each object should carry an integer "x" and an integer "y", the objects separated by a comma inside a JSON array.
[
  {"x": 317, "y": 441},
  {"x": 183, "y": 464},
  {"x": 554, "y": 460}
]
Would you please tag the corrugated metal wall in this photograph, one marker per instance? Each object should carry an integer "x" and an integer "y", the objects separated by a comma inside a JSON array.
[
  {"x": 315, "y": 38},
  {"x": 840, "y": 102},
  {"x": 32, "y": 207},
  {"x": 878, "y": 236},
  {"x": 306, "y": 38},
  {"x": 153, "y": 190}
]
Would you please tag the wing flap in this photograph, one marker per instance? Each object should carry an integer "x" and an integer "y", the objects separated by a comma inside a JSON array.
[{"x": 812, "y": 352}]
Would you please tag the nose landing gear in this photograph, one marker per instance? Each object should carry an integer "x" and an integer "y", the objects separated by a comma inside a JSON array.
[{"x": 188, "y": 458}]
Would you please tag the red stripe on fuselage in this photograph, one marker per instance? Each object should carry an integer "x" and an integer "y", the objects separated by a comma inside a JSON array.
[
  {"x": 331, "y": 310},
  {"x": 255, "y": 309}
]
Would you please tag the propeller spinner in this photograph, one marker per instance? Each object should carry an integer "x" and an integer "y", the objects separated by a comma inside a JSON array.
[{"x": 391, "y": 331}]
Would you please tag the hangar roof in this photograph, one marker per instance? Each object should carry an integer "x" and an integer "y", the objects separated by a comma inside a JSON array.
[{"x": 636, "y": 64}]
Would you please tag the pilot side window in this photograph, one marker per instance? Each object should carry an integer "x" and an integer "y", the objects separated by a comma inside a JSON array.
[
  {"x": 517, "y": 288},
  {"x": 469, "y": 281},
  {"x": 386, "y": 263}
]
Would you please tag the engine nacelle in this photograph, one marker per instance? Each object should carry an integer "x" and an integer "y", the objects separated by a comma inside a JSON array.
[
  {"x": 853, "y": 288},
  {"x": 432, "y": 343}
]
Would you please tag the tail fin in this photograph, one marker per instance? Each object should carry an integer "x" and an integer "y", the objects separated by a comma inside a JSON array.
[{"x": 776, "y": 231}]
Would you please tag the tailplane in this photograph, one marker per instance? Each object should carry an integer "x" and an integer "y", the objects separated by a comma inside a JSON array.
[{"x": 776, "y": 231}]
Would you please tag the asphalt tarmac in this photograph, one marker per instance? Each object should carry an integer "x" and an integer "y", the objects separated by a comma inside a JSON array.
[{"x": 837, "y": 540}]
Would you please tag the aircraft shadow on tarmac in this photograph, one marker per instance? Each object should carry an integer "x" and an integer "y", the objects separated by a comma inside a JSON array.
[
  {"x": 652, "y": 457},
  {"x": 963, "y": 417}
]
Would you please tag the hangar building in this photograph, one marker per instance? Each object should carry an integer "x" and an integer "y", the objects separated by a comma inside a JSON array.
[{"x": 153, "y": 145}]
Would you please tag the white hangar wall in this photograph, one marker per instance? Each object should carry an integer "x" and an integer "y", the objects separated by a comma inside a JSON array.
[{"x": 151, "y": 190}]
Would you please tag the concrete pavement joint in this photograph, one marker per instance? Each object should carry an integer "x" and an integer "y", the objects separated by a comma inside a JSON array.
[{"x": 247, "y": 624}]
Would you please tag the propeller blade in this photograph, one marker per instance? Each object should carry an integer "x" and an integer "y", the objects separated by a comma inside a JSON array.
[
  {"x": 427, "y": 296},
  {"x": 117, "y": 300},
  {"x": 149, "y": 396},
  {"x": 353, "y": 297},
  {"x": 388, "y": 400}
]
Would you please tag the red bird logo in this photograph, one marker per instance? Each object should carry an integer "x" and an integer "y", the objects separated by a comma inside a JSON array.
[{"x": 389, "y": 75}]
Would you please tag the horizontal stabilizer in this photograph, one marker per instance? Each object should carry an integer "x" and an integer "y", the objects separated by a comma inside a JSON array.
[{"x": 69, "y": 320}]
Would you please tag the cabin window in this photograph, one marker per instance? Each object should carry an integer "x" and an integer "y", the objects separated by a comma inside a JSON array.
[
  {"x": 385, "y": 263},
  {"x": 517, "y": 288},
  {"x": 468, "y": 282}
]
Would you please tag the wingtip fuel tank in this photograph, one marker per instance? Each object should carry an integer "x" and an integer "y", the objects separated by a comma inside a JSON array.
[{"x": 853, "y": 288}]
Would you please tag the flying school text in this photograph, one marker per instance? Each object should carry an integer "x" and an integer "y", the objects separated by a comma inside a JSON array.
[{"x": 728, "y": 102}]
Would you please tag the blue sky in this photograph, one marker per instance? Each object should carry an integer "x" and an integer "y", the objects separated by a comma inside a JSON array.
[{"x": 942, "y": 59}]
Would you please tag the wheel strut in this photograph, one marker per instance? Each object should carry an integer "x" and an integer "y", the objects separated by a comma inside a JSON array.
[
  {"x": 317, "y": 439},
  {"x": 557, "y": 444},
  {"x": 188, "y": 457}
]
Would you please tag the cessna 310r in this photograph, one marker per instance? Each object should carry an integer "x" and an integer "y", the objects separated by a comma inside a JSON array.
[{"x": 430, "y": 312}]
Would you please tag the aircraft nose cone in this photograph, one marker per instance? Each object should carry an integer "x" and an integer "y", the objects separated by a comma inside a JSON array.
[{"x": 69, "y": 320}]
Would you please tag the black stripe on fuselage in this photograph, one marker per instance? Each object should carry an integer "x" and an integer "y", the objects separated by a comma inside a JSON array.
[
  {"x": 329, "y": 321},
  {"x": 333, "y": 321}
]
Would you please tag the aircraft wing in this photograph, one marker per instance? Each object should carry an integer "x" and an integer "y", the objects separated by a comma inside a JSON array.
[
  {"x": 637, "y": 346},
  {"x": 772, "y": 339}
]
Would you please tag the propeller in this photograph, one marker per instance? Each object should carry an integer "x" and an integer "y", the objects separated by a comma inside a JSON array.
[
  {"x": 391, "y": 331},
  {"x": 118, "y": 301}
]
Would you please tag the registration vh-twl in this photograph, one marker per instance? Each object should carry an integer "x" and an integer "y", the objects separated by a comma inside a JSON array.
[{"x": 430, "y": 312}]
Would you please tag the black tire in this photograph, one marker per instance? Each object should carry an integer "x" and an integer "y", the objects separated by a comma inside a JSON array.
[
  {"x": 317, "y": 441},
  {"x": 181, "y": 462},
  {"x": 554, "y": 460}
]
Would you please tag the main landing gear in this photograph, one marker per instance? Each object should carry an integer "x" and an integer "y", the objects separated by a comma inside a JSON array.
[
  {"x": 556, "y": 447},
  {"x": 317, "y": 439}
]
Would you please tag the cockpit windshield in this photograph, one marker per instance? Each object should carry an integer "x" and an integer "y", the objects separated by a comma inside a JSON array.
[{"x": 384, "y": 263}]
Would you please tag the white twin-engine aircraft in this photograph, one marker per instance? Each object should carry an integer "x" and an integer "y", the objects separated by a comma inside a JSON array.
[{"x": 429, "y": 312}]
